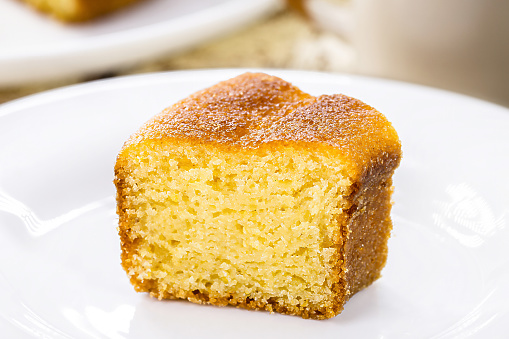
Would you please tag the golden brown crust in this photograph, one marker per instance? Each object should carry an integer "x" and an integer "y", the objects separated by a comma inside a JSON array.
[
  {"x": 368, "y": 228},
  {"x": 254, "y": 109},
  {"x": 79, "y": 10}
]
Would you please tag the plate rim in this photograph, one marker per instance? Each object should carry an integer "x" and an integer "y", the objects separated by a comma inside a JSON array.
[{"x": 108, "y": 50}]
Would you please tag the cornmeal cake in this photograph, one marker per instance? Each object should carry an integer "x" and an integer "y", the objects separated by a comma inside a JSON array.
[
  {"x": 78, "y": 10},
  {"x": 254, "y": 194}
]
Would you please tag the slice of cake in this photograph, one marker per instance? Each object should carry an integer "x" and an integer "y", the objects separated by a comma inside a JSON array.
[
  {"x": 78, "y": 10},
  {"x": 255, "y": 194}
]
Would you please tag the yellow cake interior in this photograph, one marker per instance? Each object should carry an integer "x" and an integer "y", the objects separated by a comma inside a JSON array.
[{"x": 258, "y": 225}]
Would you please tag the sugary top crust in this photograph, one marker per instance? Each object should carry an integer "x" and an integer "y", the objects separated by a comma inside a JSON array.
[{"x": 255, "y": 110}]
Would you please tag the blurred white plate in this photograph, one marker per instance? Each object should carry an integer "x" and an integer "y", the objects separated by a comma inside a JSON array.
[
  {"x": 35, "y": 48},
  {"x": 60, "y": 275}
]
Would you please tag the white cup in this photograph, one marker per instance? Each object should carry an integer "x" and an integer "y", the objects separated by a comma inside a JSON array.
[{"x": 459, "y": 45}]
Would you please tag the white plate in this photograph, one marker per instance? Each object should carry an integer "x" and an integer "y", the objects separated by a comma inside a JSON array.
[
  {"x": 448, "y": 270},
  {"x": 34, "y": 47}
]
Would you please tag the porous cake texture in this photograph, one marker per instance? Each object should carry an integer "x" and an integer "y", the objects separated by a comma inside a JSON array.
[
  {"x": 254, "y": 194},
  {"x": 78, "y": 10}
]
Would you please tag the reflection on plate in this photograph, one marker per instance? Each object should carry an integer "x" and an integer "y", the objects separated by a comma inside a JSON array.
[
  {"x": 60, "y": 275},
  {"x": 35, "y": 47}
]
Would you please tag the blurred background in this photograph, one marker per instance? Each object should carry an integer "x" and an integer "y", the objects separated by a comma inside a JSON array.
[{"x": 457, "y": 45}]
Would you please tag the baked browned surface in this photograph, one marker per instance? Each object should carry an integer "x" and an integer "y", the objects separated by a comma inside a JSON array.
[
  {"x": 254, "y": 110},
  {"x": 78, "y": 10},
  {"x": 351, "y": 151}
]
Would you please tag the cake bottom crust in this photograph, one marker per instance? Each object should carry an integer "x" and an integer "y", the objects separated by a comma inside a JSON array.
[{"x": 272, "y": 306}]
